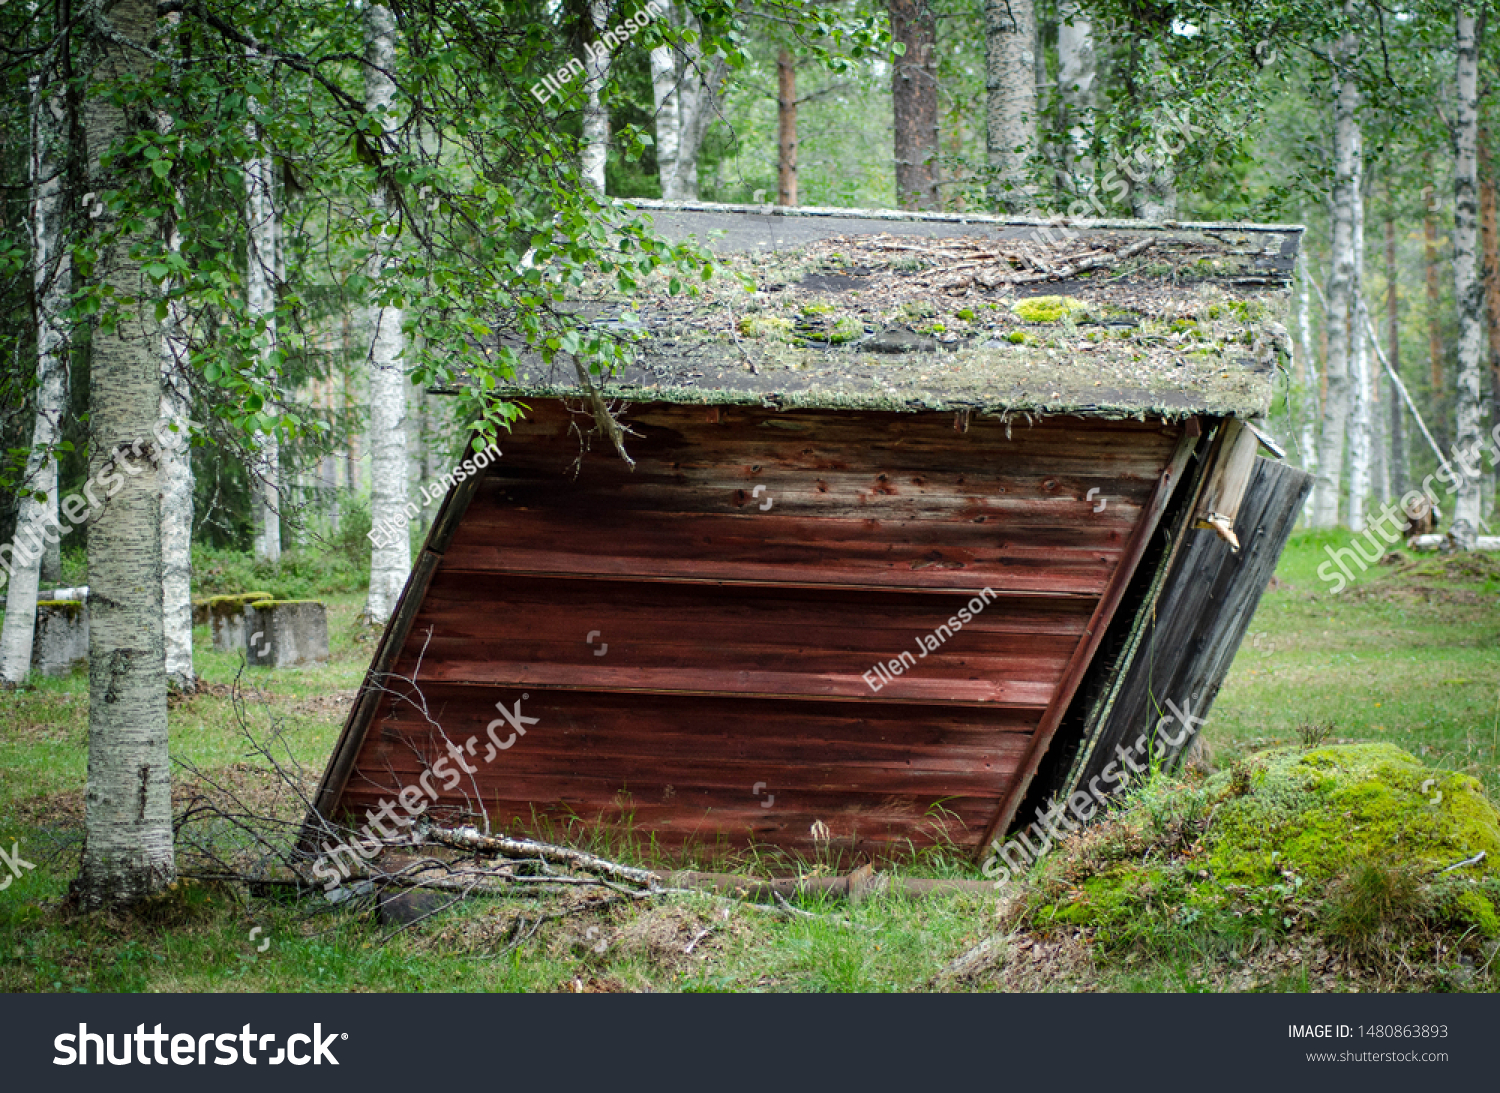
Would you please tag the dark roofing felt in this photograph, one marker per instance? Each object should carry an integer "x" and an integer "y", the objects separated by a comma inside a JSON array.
[{"x": 864, "y": 309}]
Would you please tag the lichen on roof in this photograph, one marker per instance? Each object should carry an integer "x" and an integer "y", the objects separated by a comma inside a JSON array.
[{"x": 857, "y": 310}]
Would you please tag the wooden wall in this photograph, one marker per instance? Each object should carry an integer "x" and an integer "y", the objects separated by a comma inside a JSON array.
[{"x": 693, "y": 646}]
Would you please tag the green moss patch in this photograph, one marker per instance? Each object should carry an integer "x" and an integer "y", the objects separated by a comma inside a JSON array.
[
  {"x": 71, "y": 608},
  {"x": 233, "y": 605},
  {"x": 1047, "y": 309}
]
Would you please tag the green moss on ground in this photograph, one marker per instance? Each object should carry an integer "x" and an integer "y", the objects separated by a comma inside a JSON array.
[
  {"x": 1352, "y": 842},
  {"x": 1047, "y": 309}
]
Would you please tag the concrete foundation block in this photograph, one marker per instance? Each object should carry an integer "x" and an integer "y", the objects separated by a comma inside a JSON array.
[
  {"x": 285, "y": 633},
  {"x": 61, "y": 644},
  {"x": 226, "y": 619}
]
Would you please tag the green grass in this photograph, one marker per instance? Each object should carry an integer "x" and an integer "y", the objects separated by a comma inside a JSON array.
[{"x": 1404, "y": 656}]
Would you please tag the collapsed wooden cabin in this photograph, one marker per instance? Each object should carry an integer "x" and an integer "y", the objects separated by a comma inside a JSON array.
[{"x": 918, "y": 534}]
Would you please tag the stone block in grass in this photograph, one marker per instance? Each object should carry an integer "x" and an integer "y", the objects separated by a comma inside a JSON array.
[
  {"x": 62, "y": 637},
  {"x": 226, "y": 619},
  {"x": 285, "y": 633}
]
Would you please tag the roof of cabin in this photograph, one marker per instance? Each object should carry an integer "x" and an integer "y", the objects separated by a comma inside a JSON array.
[{"x": 865, "y": 309}]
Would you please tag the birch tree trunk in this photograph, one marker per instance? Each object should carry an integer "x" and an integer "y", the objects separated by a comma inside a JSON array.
[
  {"x": 1341, "y": 287},
  {"x": 914, "y": 101},
  {"x": 595, "y": 114},
  {"x": 127, "y": 851},
  {"x": 684, "y": 87},
  {"x": 176, "y": 470},
  {"x": 260, "y": 300},
  {"x": 1468, "y": 420},
  {"x": 37, "y": 525},
  {"x": 1010, "y": 100},
  {"x": 1393, "y": 354},
  {"x": 1310, "y": 409},
  {"x": 1361, "y": 445},
  {"x": 1076, "y": 71},
  {"x": 390, "y": 554}
]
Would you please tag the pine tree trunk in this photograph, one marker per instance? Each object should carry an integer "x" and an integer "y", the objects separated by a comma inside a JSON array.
[
  {"x": 1010, "y": 100},
  {"x": 128, "y": 807},
  {"x": 1489, "y": 234},
  {"x": 915, "y": 104},
  {"x": 1341, "y": 289},
  {"x": 390, "y": 555},
  {"x": 786, "y": 129},
  {"x": 260, "y": 300},
  {"x": 1468, "y": 420},
  {"x": 37, "y": 526},
  {"x": 595, "y": 113},
  {"x": 1076, "y": 71},
  {"x": 1399, "y": 473}
]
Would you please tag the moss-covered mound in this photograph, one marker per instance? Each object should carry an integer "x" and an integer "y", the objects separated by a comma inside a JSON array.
[
  {"x": 1316, "y": 811},
  {"x": 1359, "y": 843}
]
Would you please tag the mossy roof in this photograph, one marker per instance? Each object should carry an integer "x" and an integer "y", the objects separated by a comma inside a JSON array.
[{"x": 874, "y": 310}]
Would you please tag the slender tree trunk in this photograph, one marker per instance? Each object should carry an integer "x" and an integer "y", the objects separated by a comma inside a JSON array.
[
  {"x": 1076, "y": 71},
  {"x": 684, "y": 87},
  {"x": 786, "y": 129},
  {"x": 1489, "y": 235},
  {"x": 51, "y": 573},
  {"x": 595, "y": 113},
  {"x": 1010, "y": 100},
  {"x": 1468, "y": 420},
  {"x": 1342, "y": 286},
  {"x": 1308, "y": 366},
  {"x": 37, "y": 526},
  {"x": 260, "y": 300},
  {"x": 127, "y": 852},
  {"x": 1393, "y": 353},
  {"x": 1434, "y": 317},
  {"x": 390, "y": 556},
  {"x": 1361, "y": 417},
  {"x": 915, "y": 103},
  {"x": 176, "y": 474}
]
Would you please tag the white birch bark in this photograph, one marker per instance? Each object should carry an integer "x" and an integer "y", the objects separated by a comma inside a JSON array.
[
  {"x": 595, "y": 113},
  {"x": 1077, "y": 68},
  {"x": 260, "y": 301},
  {"x": 1328, "y": 487},
  {"x": 51, "y": 278},
  {"x": 176, "y": 475},
  {"x": 1010, "y": 100},
  {"x": 1361, "y": 445},
  {"x": 1309, "y": 407},
  {"x": 128, "y": 808},
  {"x": 390, "y": 554},
  {"x": 1467, "y": 289},
  {"x": 684, "y": 86}
]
